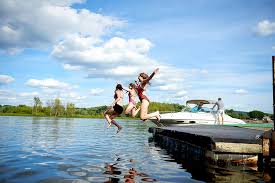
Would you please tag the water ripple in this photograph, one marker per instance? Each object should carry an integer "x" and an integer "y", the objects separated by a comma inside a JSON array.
[{"x": 82, "y": 150}]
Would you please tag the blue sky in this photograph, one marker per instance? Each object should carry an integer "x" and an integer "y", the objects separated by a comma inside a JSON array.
[{"x": 78, "y": 50}]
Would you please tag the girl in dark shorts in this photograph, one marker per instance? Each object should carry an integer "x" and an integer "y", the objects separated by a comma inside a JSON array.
[{"x": 116, "y": 108}]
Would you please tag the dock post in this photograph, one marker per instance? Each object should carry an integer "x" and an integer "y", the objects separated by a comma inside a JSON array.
[
  {"x": 273, "y": 83},
  {"x": 273, "y": 131}
]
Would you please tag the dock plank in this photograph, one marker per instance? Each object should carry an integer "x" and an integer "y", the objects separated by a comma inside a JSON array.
[{"x": 220, "y": 133}]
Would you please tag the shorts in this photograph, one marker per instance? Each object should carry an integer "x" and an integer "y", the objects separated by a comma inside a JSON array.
[
  {"x": 118, "y": 109},
  {"x": 220, "y": 112}
]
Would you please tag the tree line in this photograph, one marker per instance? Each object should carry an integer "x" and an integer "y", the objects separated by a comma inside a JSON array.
[
  {"x": 57, "y": 108},
  {"x": 255, "y": 114}
]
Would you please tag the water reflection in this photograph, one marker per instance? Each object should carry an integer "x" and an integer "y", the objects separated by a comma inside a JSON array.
[{"x": 129, "y": 176}]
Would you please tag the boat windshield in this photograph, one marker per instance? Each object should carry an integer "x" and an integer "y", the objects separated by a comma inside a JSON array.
[
  {"x": 203, "y": 109},
  {"x": 200, "y": 106}
]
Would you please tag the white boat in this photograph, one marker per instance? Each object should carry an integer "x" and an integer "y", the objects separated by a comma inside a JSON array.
[{"x": 196, "y": 115}]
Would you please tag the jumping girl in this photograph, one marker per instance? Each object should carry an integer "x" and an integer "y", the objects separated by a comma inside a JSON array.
[
  {"x": 141, "y": 88},
  {"x": 131, "y": 108},
  {"x": 116, "y": 108}
]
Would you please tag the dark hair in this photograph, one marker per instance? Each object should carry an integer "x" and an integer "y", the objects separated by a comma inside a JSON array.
[
  {"x": 132, "y": 85},
  {"x": 118, "y": 87},
  {"x": 144, "y": 75}
]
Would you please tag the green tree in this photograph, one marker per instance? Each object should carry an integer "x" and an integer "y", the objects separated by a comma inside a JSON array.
[
  {"x": 256, "y": 114},
  {"x": 37, "y": 105},
  {"x": 49, "y": 108},
  {"x": 23, "y": 109},
  {"x": 70, "y": 109},
  {"x": 58, "y": 108}
]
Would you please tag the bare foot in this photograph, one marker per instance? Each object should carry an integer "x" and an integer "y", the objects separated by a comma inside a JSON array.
[
  {"x": 158, "y": 117},
  {"x": 118, "y": 129},
  {"x": 158, "y": 124}
]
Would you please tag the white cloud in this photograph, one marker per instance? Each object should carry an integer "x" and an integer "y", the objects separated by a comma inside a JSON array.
[
  {"x": 73, "y": 96},
  {"x": 64, "y": 2},
  {"x": 265, "y": 28},
  {"x": 14, "y": 98},
  {"x": 69, "y": 67},
  {"x": 7, "y": 97},
  {"x": 7, "y": 100},
  {"x": 181, "y": 93},
  {"x": 117, "y": 59},
  {"x": 241, "y": 91},
  {"x": 28, "y": 94},
  {"x": 49, "y": 84},
  {"x": 96, "y": 91},
  {"x": 5, "y": 79},
  {"x": 34, "y": 24},
  {"x": 116, "y": 54},
  {"x": 168, "y": 87},
  {"x": 5, "y": 93},
  {"x": 203, "y": 71}
]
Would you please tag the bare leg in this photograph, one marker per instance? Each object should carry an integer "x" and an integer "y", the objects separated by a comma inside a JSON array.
[
  {"x": 135, "y": 111},
  {"x": 129, "y": 108},
  {"x": 114, "y": 122},
  {"x": 107, "y": 115},
  {"x": 109, "y": 110},
  {"x": 117, "y": 125},
  {"x": 144, "y": 111}
]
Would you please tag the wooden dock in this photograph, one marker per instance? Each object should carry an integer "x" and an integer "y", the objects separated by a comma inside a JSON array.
[{"x": 215, "y": 142}]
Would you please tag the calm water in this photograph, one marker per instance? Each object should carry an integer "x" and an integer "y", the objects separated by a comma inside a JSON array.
[{"x": 83, "y": 150}]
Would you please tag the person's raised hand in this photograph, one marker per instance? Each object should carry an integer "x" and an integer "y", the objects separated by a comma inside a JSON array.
[{"x": 156, "y": 70}]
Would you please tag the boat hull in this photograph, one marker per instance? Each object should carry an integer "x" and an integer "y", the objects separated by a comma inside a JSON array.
[{"x": 183, "y": 118}]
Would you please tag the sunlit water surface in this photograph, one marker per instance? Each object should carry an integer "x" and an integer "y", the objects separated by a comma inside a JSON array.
[{"x": 84, "y": 150}]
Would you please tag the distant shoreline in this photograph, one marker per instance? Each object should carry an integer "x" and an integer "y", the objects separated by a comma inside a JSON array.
[{"x": 91, "y": 117}]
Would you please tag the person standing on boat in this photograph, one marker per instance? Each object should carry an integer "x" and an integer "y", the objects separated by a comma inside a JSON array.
[
  {"x": 116, "y": 108},
  {"x": 141, "y": 88},
  {"x": 220, "y": 110}
]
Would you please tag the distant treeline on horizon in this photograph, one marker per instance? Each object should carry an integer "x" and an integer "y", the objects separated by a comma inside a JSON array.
[{"x": 56, "y": 108}]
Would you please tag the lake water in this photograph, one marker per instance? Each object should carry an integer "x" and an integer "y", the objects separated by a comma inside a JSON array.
[{"x": 84, "y": 150}]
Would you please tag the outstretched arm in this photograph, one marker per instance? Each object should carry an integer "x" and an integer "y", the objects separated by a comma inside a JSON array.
[
  {"x": 152, "y": 75},
  {"x": 126, "y": 89},
  {"x": 214, "y": 106}
]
